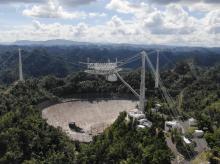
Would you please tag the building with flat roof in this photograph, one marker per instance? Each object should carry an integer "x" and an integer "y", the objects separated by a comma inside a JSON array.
[
  {"x": 186, "y": 140},
  {"x": 169, "y": 125},
  {"x": 192, "y": 122}
]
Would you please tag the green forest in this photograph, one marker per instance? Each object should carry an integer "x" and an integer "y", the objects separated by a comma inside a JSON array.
[{"x": 27, "y": 138}]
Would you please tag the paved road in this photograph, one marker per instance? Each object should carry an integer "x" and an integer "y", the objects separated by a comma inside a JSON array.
[
  {"x": 179, "y": 158},
  {"x": 201, "y": 145}
]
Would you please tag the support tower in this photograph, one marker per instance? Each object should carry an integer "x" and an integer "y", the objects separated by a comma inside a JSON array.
[
  {"x": 20, "y": 66},
  {"x": 142, "y": 86}
]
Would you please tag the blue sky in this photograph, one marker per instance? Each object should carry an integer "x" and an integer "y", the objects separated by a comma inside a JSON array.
[{"x": 176, "y": 22}]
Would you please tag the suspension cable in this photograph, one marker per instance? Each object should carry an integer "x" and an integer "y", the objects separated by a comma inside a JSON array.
[
  {"x": 128, "y": 85},
  {"x": 168, "y": 98}
]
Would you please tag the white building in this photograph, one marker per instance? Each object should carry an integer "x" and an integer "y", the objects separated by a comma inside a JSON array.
[
  {"x": 140, "y": 117},
  {"x": 172, "y": 125},
  {"x": 137, "y": 114},
  {"x": 186, "y": 140},
  {"x": 198, "y": 133},
  {"x": 145, "y": 122},
  {"x": 192, "y": 122},
  {"x": 140, "y": 126},
  {"x": 158, "y": 105}
]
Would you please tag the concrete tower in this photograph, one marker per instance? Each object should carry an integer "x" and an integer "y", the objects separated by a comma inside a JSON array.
[{"x": 142, "y": 86}]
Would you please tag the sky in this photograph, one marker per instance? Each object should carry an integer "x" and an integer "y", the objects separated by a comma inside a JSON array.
[{"x": 167, "y": 22}]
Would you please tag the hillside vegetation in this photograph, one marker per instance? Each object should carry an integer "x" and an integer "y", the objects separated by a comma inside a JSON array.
[
  {"x": 61, "y": 61},
  {"x": 26, "y": 138}
]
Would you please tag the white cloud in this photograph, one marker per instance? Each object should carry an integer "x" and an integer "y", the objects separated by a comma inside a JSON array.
[
  {"x": 53, "y": 9},
  {"x": 173, "y": 20},
  {"x": 20, "y": 1},
  {"x": 63, "y": 2},
  {"x": 81, "y": 30},
  {"x": 59, "y": 31},
  {"x": 133, "y": 22},
  {"x": 76, "y": 2},
  {"x": 115, "y": 22},
  {"x": 211, "y": 22},
  {"x": 93, "y": 14},
  {"x": 118, "y": 27},
  {"x": 192, "y": 5},
  {"x": 37, "y": 25},
  {"x": 170, "y": 24},
  {"x": 126, "y": 7},
  {"x": 161, "y": 24},
  {"x": 122, "y": 6},
  {"x": 116, "y": 30},
  {"x": 185, "y": 1}
]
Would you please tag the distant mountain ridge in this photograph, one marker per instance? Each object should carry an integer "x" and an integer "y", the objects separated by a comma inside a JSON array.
[
  {"x": 64, "y": 42},
  {"x": 56, "y": 42},
  {"x": 61, "y": 57}
]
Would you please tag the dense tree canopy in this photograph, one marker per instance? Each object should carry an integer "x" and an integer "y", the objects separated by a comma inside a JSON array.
[{"x": 26, "y": 137}]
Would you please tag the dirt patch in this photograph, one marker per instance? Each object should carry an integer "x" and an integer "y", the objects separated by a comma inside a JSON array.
[{"x": 92, "y": 116}]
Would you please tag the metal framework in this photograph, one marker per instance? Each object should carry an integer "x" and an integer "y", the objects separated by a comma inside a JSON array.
[
  {"x": 111, "y": 71},
  {"x": 104, "y": 69},
  {"x": 126, "y": 84}
]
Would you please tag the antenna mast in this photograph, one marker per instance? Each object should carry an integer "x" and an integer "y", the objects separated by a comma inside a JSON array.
[{"x": 20, "y": 66}]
